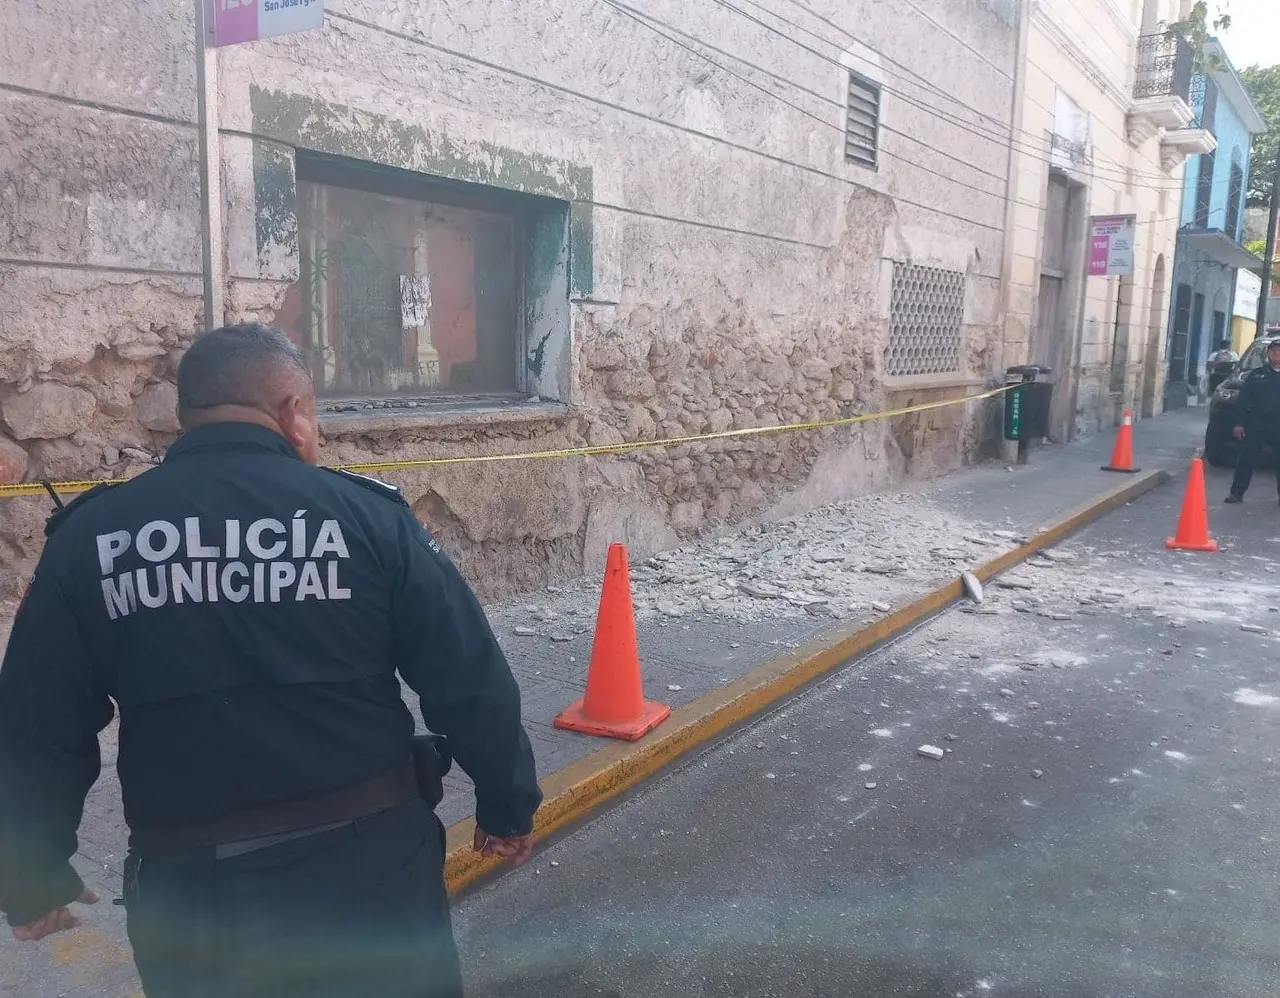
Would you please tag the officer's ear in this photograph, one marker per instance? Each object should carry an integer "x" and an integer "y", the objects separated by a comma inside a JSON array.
[{"x": 298, "y": 424}]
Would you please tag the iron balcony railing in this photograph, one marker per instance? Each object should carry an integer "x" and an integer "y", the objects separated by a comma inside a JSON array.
[{"x": 1164, "y": 67}]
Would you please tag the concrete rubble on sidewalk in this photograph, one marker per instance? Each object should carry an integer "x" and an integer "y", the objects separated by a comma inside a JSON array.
[{"x": 844, "y": 560}]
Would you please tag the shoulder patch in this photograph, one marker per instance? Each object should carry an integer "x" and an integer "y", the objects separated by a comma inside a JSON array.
[
  {"x": 375, "y": 485},
  {"x": 58, "y": 518}
]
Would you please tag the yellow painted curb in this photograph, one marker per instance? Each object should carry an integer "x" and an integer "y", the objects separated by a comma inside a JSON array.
[{"x": 573, "y": 792}]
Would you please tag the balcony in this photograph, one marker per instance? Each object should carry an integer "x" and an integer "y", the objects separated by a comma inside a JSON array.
[
  {"x": 1177, "y": 144},
  {"x": 1162, "y": 87}
]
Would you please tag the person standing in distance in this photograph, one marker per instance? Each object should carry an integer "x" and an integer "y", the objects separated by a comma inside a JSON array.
[
  {"x": 1223, "y": 355},
  {"x": 248, "y": 613},
  {"x": 1258, "y": 421}
]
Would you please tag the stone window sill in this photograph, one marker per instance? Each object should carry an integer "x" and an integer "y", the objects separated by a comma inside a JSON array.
[
  {"x": 932, "y": 382},
  {"x": 342, "y": 418}
]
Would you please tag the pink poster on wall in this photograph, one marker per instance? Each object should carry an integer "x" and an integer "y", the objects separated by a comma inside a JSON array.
[{"x": 1111, "y": 245}]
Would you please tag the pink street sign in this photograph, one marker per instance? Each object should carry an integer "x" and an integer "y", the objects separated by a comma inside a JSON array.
[{"x": 229, "y": 22}]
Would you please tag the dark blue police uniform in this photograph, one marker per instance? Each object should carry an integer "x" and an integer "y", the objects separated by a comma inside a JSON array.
[
  {"x": 247, "y": 613},
  {"x": 1259, "y": 414}
]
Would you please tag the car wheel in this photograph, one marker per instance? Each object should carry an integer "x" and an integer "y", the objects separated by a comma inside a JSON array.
[{"x": 1216, "y": 452}]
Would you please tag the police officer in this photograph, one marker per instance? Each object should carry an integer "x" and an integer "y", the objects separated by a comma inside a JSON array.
[
  {"x": 1258, "y": 422},
  {"x": 248, "y": 612}
]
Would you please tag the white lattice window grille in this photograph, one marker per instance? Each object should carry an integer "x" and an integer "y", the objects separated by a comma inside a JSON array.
[{"x": 926, "y": 321}]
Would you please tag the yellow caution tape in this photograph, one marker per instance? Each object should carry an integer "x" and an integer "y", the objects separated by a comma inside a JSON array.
[{"x": 70, "y": 488}]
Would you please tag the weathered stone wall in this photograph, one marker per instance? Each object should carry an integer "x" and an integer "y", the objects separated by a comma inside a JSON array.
[{"x": 723, "y": 266}]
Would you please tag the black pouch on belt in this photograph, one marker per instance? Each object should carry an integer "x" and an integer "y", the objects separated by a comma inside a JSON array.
[{"x": 432, "y": 761}]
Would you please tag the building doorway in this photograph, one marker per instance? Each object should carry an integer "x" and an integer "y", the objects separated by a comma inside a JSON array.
[
  {"x": 1119, "y": 386},
  {"x": 1061, "y": 273},
  {"x": 1192, "y": 369}
]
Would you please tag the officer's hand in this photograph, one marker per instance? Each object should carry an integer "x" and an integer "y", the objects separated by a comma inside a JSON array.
[
  {"x": 515, "y": 849},
  {"x": 58, "y": 920},
  {"x": 1238, "y": 433}
]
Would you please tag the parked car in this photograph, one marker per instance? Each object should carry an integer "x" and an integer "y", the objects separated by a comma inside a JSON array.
[{"x": 1220, "y": 445}]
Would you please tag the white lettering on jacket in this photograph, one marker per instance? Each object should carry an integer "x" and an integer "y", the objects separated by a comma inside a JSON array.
[{"x": 194, "y": 561}]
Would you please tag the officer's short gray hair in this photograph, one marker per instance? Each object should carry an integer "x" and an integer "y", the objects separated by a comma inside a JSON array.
[{"x": 239, "y": 365}]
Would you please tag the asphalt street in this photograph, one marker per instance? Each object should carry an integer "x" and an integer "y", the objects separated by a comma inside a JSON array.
[{"x": 1103, "y": 822}]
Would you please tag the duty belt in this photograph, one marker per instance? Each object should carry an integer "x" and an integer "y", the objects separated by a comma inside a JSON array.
[{"x": 271, "y": 824}]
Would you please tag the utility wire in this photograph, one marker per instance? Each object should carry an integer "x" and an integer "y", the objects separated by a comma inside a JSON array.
[
  {"x": 916, "y": 78},
  {"x": 1119, "y": 170},
  {"x": 549, "y": 85},
  {"x": 645, "y": 20}
]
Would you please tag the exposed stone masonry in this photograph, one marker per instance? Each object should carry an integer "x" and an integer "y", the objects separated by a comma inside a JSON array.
[{"x": 515, "y": 526}]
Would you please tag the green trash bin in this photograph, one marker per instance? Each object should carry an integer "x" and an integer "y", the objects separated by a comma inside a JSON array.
[{"x": 1026, "y": 406}]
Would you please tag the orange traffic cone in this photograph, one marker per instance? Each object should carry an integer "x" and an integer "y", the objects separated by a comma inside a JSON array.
[
  {"x": 1122, "y": 454},
  {"x": 1193, "y": 524},
  {"x": 614, "y": 706}
]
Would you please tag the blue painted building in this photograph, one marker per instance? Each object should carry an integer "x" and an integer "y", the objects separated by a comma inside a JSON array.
[{"x": 1209, "y": 252}]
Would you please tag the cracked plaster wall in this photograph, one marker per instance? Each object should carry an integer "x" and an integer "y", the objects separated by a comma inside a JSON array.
[{"x": 725, "y": 267}]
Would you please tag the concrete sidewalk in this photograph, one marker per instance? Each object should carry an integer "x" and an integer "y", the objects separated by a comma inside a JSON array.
[{"x": 707, "y": 615}]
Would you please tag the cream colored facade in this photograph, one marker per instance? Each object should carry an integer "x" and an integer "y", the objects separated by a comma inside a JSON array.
[{"x": 1089, "y": 142}]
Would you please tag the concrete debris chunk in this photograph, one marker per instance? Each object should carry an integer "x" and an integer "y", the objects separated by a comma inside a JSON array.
[
  {"x": 1006, "y": 692},
  {"x": 525, "y": 632},
  {"x": 870, "y": 786},
  {"x": 972, "y": 586},
  {"x": 931, "y": 752},
  {"x": 881, "y": 607},
  {"x": 674, "y": 687},
  {"x": 825, "y": 556},
  {"x": 1253, "y": 629},
  {"x": 1037, "y": 773}
]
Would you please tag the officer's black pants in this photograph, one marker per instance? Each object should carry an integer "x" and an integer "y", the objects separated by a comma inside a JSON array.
[
  {"x": 357, "y": 912},
  {"x": 1255, "y": 437}
]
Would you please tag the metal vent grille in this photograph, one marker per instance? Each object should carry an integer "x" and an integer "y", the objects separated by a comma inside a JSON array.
[
  {"x": 925, "y": 321},
  {"x": 862, "y": 122}
]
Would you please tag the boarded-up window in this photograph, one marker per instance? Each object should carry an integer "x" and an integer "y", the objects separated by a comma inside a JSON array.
[
  {"x": 926, "y": 321},
  {"x": 862, "y": 122},
  {"x": 401, "y": 295}
]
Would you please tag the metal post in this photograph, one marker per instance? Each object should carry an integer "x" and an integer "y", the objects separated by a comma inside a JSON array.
[
  {"x": 1269, "y": 259},
  {"x": 210, "y": 174}
]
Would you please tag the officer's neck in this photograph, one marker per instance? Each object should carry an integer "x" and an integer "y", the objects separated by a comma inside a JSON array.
[{"x": 230, "y": 414}]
